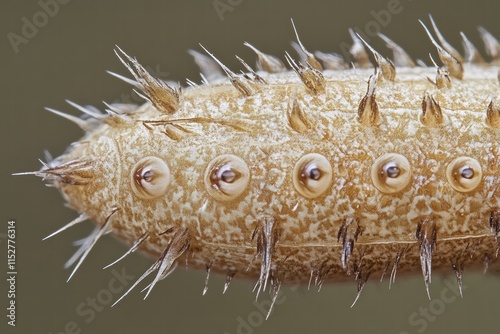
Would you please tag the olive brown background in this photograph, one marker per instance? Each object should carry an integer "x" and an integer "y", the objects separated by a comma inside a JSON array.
[{"x": 66, "y": 58}]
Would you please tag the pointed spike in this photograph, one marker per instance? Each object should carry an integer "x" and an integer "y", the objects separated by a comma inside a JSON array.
[
  {"x": 208, "y": 267},
  {"x": 276, "y": 286},
  {"x": 311, "y": 60},
  {"x": 177, "y": 246},
  {"x": 431, "y": 115},
  {"x": 458, "y": 269},
  {"x": 256, "y": 78},
  {"x": 75, "y": 172},
  {"x": 401, "y": 57},
  {"x": 361, "y": 284},
  {"x": 426, "y": 235},
  {"x": 132, "y": 249},
  {"x": 331, "y": 61},
  {"x": 246, "y": 87},
  {"x": 297, "y": 118},
  {"x": 83, "y": 124},
  {"x": 491, "y": 43},
  {"x": 266, "y": 62},
  {"x": 89, "y": 244},
  {"x": 493, "y": 114},
  {"x": 191, "y": 83},
  {"x": 81, "y": 218},
  {"x": 153, "y": 267},
  {"x": 495, "y": 224},
  {"x": 472, "y": 55},
  {"x": 208, "y": 67},
  {"x": 92, "y": 112},
  {"x": 392, "y": 278},
  {"x": 229, "y": 278},
  {"x": 442, "y": 77},
  {"x": 125, "y": 79},
  {"x": 452, "y": 64},
  {"x": 358, "y": 51},
  {"x": 348, "y": 233},
  {"x": 267, "y": 234},
  {"x": 447, "y": 46},
  {"x": 161, "y": 95},
  {"x": 163, "y": 276},
  {"x": 385, "y": 65},
  {"x": 311, "y": 77},
  {"x": 368, "y": 113}
]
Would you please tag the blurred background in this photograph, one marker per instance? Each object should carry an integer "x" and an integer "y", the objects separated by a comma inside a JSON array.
[{"x": 65, "y": 55}]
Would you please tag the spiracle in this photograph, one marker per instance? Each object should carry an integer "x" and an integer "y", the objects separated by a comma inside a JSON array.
[
  {"x": 312, "y": 175},
  {"x": 391, "y": 173},
  {"x": 226, "y": 177},
  {"x": 464, "y": 174},
  {"x": 150, "y": 177}
]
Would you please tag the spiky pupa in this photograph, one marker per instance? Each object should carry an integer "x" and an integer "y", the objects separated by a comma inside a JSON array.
[{"x": 293, "y": 177}]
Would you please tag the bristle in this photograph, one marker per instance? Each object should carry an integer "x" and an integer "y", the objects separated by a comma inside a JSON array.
[
  {"x": 399, "y": 255},
  {"x": 256, "y": 77},
  {"x": 491, "y": 44},
  {"x": 267, "y": 234},
  {"x": 401, "y": 58},
  {"x": 276, "y": 282},
  {"x": 347, "y": 236},
  {"x": 495, "y": 224},
  {"x": 426, "y": 235},
  {"x": 177, "y": 246},
  {"x": 358, "y": 51},
  {"x": 442, "y": 76},
  {"x": 210, "y": 70},
  {"x": 386, "y": 66},
  {"x": 452, "y": 64},
  {"x": 311, "y": 77},
  {"x": 459, "y": 270},
  {"x": 74, "y": 172},
  {"x": 331, "y": 61},
  {"x": 126, "y": 80},
  {"x": 158, "y": 93},
  {"x": 313, "y": 62},
  {"x": 266, "y": 62},
  {"x": 472, "y": 55},
  {"x": 207, "y": 269},
  {"x": 368, "y": 113},
  {"x": 165, "y": 264},
  {"x": 431, "y": 115},
  {"x": 297, "y": 118},
  {"x": 88, "y": 244},
  {"x": 447, "y": 46},
  {"x": 493, "y": 114},
  {"x": 132, "y": 249},
  {"x": 361, "y": 279},
  {"x": 83, "y": 124},
  {"x": 245, "y": 86},
  {"x": 87, "y": 110},
  {"x": 229, "y": 278},
  {"x": 81, "y": 218},
  {"x": 321, "y": 274}
]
